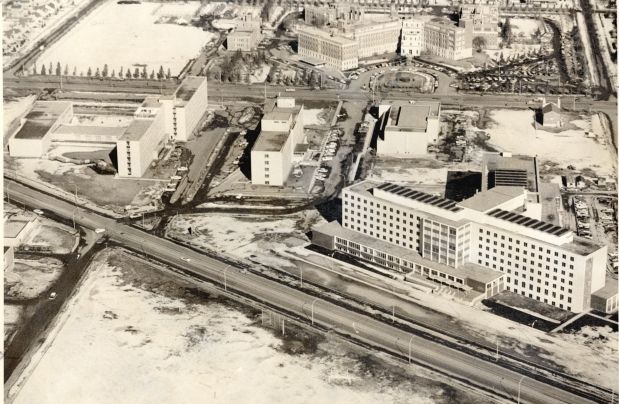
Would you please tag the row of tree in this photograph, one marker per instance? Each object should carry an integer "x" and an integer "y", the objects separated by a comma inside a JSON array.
[{"x": 137, "y": 73}]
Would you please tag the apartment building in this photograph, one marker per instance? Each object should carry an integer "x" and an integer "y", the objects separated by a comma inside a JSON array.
[
  {"x": 484, "y": 19},
  {"x": 142, "y": 140},
  {"x": 376, "y": 37},
  {"x": 437, "y": 37},
  {"x": 484, "y": 244},
  {"x": 336, "y": 51},
  {"x": 407, "y": 129},
  {"x": 412, "y": 43},
  {"x": 281, "y": 131},
  {"x": 448, "y": 41}
]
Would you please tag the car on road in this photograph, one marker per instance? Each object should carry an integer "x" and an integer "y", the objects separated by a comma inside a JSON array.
[
  {"x": 52, "y": 296},
  {"x": 186, "y": 259},
  {"x": 100, "y": 230},
  {"x": 38, "y": 211},
  {"x": 290, "y": 90}
]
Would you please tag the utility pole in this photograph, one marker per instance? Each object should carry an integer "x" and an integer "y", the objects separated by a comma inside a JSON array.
[
  {"x": 301, "y": 268},
  {"x": 283, "y": 327},
  {"x": 409, "y": 350},
  {"x": 75, "y": 185},
  {"x": 73, "y": 217},
  {"x": 143, "y": 221},
  {"x": 393, "y": 314}
]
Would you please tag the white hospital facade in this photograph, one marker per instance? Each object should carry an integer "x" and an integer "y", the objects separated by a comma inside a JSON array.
[{"x": 487, "y": 243}]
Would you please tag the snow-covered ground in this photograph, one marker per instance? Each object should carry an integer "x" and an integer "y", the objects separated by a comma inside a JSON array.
[
  {"x": 141, "y": 339},
  {"x": 272, "y": 242},
  {"x": 30, "y": 278},
  {"x": 54, "y": 237},
  {"x": 12, "y": 318},
  {"x": 245, "y": 236},
  {"x": 513, "y": 131},
  {"x": 260, "y": 75},
  {"x": 128, "y": 36},
  {"x": 527, "y": 26},
  {"x": 13, "y": 110},
  {"x": 314, "y": 117}
]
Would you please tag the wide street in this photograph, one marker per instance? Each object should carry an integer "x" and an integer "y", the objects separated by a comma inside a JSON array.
[{"x": 472, "y": 370}]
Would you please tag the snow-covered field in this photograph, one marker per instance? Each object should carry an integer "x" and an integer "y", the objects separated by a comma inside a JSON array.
[
  {"x": 141, "y": 339},
  {"x": 128, "y": 36},
  {"x": 55, "y": 237},
  {"x": 245, "y": 236},
  {"x": 513, "y": 131},
  {"x": 314, "y": 117},
  {"x": 260, "y": 75},
  {"x": 30, "y": 278},
  {"x": 525, "y": 25},
  {"x": 270, "y": 242}
]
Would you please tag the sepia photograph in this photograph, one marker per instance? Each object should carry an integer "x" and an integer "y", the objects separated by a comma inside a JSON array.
[{"x": 310, "y": 201}]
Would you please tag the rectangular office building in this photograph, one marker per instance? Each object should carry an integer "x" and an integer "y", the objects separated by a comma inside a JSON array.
[{"x": 486, "y": 243}]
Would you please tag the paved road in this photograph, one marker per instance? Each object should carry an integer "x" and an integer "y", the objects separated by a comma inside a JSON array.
[{"x": 483, "y": 374}]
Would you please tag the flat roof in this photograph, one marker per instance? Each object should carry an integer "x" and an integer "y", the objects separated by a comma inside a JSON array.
[
  {"x": 610, "y": 289},
  {"x": 136, "y": 129},
  {"x": 279, "y": 114},
  {"x": 413, "y": 117},
  {"x": 41, "y": 118},
  {"x": 151, "y": 102},
  {"x": 526, "y": 221},
  {"x": 515, "y": 169},
  {"x": 466, "y": 271},
  {"x": 90, "y": 130},
  {"x": 366, "y": 188},
  {"x": 487, "y": 200},
  {"x": 13, "y": 227},
  {"x": 335, "y": 36},
  {"x": 270, "y": 141},
  {"x": 409, "y": 193},
  {"x": 581, "y": 246},
  {"x": 188, "y": 87}
]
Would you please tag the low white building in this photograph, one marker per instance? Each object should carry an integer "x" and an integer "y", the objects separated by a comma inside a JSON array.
[
  {"x": 407, "y": 129},
  {"x": 34, "y": 137},
  {"x": 272, "y": 154}
]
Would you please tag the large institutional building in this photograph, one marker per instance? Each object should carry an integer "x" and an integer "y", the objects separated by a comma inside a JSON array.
[
  {"x": 484, "y": 244},
  {"x": 272, "y": 154},
  {"x": 341, "y": 47},
  {"x": 157, "y": 120},
  {"x": 246, "y": 36},
  {"x": 440, "y": 38},
  {"x": 407, "y": 129},
  {"x": 484, "y": 19}
]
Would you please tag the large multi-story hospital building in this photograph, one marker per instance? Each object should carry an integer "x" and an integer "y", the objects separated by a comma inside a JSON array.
[{"x": 485, "y": 244}]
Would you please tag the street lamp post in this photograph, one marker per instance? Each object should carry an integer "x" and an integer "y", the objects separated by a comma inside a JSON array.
[
  {"x": 410, "y": 343},
  {"x": 313, "y": 302},
  {"x": 225, "y": 279},
  {"x": 519, "y": 384},
  {"x": 75, "y": 185}
]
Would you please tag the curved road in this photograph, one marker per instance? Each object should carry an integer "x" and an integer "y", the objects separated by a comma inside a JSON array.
[{"x": 471, "y": 370}]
